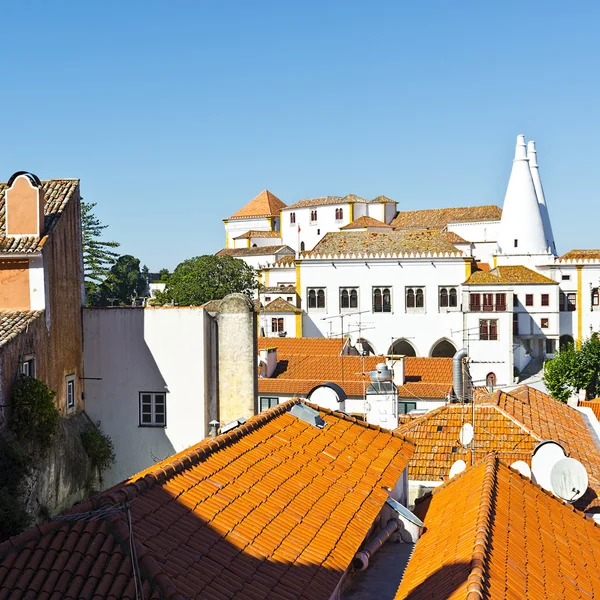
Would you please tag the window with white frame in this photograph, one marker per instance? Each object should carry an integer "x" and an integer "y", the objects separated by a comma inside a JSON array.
[
  {"x": 316, "y": 298},
  {"x": 27, "y": 366},
  {"x": 448, "y": 297},
  {"x": 153, "y": 409},
  {"x": 382, "y": 299},
  {"x": 348, "y": 298},
  {"x": 415, "y": 298},
  {"x": 267, "y": 402},
  {"x": 70, "y": 392}
]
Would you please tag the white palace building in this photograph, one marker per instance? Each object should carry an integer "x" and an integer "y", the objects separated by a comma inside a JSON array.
[{"x": 423, "y": 282}]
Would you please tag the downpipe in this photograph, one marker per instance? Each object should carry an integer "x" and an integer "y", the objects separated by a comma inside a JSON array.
[{"x": 361, "y": 559}]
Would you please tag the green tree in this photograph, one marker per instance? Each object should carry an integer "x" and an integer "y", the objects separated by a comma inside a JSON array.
[
  {"x": 203, "y": 278},
  {"x": 98, "y": 255},
  {"x": 574, "y": 369},
  {"x": 123, "y": 283},
  {"x": 164, "y": 275}
]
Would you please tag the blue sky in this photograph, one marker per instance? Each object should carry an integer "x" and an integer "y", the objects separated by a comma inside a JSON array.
[{"x": 175, "y": 114}]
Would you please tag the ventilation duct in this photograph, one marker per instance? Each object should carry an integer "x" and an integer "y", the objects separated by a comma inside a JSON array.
[{"x": 308, "y": 415}]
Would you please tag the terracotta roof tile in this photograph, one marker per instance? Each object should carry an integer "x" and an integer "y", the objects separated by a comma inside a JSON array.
[
  {"x": 280, "y": 305},
  {"x": 508, "y": 275},
  {"x": 287, "y": 260},
  {"x": 265, "y": 204},
  {"x": 439, "y": 218},
  {"x": 304, "y": 345},
  {"x": 581, "y": 255},
  {"x": 382, "y": 199},
  {"x": 383, "y": 242},
  {"x": 258, "y": 234},
  {"x": 275, "y": 508},
  {"x": 492, "y": 533},
  {"x": 13, "y": 322},
  {"x": 257, "y": 251},
  {"x": 281, "y": 289},
  {"x": 213, "y": 306},
  {"x": 57, "y": 193},
  {"x": 326, "y": 200},
  {"x": 593, "y": 404},
  {"x": 453, "y": 238},
  {"x": 436, "y": 435},
  {"x": 363, "y": 223}
]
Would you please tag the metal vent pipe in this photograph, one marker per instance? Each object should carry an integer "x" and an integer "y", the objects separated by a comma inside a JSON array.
[{"x": 457, "y": 373}]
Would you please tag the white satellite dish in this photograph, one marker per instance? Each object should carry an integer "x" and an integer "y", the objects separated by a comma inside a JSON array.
[
  {"x": 569, "y": 479},
  {"x": 522, "y": 467},
  {"x": 545, "y": 456},
  {"x": 458, "y": 467},
  {"x": 466, "y": 434}
]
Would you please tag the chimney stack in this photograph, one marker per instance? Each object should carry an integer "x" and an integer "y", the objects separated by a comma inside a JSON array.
[{"x": 24, "y": 206}]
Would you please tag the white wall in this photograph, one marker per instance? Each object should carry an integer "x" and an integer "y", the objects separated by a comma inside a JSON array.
[
  {"x": 480, "y": 231},
  {"x": 289, "y": 323},
  {"x": 237, "y": 227},
  {"x": 133, "y": 350}
]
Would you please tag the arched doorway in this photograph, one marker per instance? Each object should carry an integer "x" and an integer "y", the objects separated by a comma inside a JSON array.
[
  {"x": 443, "y": 349},
  {"x": 565, "y": 341},
  {"x": 490, "y": 381},
  {"x": 402, "y": 346}
]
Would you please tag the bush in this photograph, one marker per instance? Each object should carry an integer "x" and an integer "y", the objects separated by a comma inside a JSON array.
[
  {"x": 13, "y": 517},
  {"x": 99, "y": 447},
  {"x": 34, "y": 415}
]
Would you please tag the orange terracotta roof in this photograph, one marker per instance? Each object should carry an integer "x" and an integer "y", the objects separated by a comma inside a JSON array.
[
  {"x": 439, "y": 218},
  {"x": 287, "y": 260},
  {"x": 593, "y": 404},
  {"x": 453, "y": 238},
  {"x": 280, "y": 305},
  {"x": 14, "y": 322},
  {"x": 436, "y": 435},
  {"x": 550, "y": 419},
  {"x": 382, "y": 199},
  {"x": 304, "y": 345},
  {"x": 365, "y": 222},
  {"x": 581, "y": 255},
  {"x": 492, "y": 533},
  {"x": 258, "y": 234},
  {"x": 508, "y": 275},
  {"x": 482, "y": 266},
  {"x": 257, "y": 251},
  {"x": 57, "y": 193},
  {"x": 276, "y": 508},
  {"x": 327, "y": 200},
  {"x": 264, "y": 205}
]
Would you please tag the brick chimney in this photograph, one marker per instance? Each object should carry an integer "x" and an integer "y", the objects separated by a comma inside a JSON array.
[{"x": 24, "y": 206}]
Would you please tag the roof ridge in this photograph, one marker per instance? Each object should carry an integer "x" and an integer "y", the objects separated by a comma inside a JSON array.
[
  {"x": 427, "y": 415},
  {"x": 485, "y": 516},
  {"x": 515, "y": 421}
]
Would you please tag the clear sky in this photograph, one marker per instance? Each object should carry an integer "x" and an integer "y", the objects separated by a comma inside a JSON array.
[{"x": 176, "y": 113}]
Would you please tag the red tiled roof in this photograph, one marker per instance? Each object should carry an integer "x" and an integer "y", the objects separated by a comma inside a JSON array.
[
  {"x": 279, "y": 305},
  {"x": 492, "y": 533},
  {"x": 579, "y": 255},
  {"x": 593, "y": 404},
  {"x": 13, "y": 322},
  {"x": 256, "y": 251},
  {"x": 436, "y": 435},
  {"x": 516, "y": 274},
  {"x": 276, "y": 508},
  {"x": 258, "y": 234},
  {"x": 305, "y": 345},
  {"x": 263, "y": 205},
  {"x": 439, "y": 218},
  {"x": 57, "y": 193},
  {"x": 365, "y": 222}
]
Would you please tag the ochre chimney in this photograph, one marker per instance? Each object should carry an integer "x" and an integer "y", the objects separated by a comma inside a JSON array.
[{"x": 24, "y": 206}]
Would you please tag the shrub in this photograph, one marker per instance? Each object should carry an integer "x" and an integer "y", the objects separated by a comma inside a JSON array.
[
  {"x": 99, "y": 447},
  {"x": 13, "y": 517},
  {"x": 34, "y": 415}
]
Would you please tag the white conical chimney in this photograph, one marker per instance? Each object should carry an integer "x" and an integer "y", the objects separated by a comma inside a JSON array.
[
  {"x": 521, "y": 227},
  {"x": 539, "y": 190}
]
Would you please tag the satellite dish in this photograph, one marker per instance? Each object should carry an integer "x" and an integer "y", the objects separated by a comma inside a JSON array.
[
  {"x": 545, "y": 456},
  {"x": 458, "y": 467},
  {"x": 522, "y": 467},
  {"x": 466, "y": 434},
  {"x": 569, "y": 479}
]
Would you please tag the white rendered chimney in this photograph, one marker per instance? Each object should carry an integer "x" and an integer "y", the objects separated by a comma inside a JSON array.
[
  {"x": 521, "y": 228},
  {"x": 539, "y": 190}
]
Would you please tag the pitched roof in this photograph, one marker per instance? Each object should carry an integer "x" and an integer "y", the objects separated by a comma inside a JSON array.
[
  {"x": 13, "y": 322},
  {"x": 280, "y": 305},
  {"x": 364, "y": 222},
  {"x": 550, "y": 419},
  {"x": 213, "y": 306},
  {"x": 264, "y": 205},
  {"x": 258, "y": 234},
  {"x": 382, "y": 199},
  {"x": 57, "y": 193},
  {"x": 383, "y": 242},
  {"x": 326, "y": 200},
  {"x": 300, "y": 373},
  {"x": 304, "y": 345},
  {"x": 287, "y": 260},
  {"x": 593, "y": 404},
  {"x": 275, "y": 508},
  {"x": 436, "y": 435},
  {"x": 281, "y": 289},
  {"x": 492, "y": 533},
  {"x": 453, "y": 238},
  {"x": 439, "y": 218},
  {"x": 508, "y": 275},
  {"x": 581, "y": 255},
  {"x": 257, "y": 251}
]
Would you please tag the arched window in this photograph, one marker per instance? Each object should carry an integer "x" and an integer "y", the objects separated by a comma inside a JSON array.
[
  {"x": 345, "y": 299},
  {"x": 312, "y": 299},
  {"x": 490, "y": 381},
  {"x": 387, "y": 300},
  {"x": 377, "y": 303},
  {"x": 320, "y": 298},
  {"x": 353, "y": 299},
  {"x": 419, "y": 298},
  {"x": 595, "y": 297},
  {"x": 339, "y": 214},
  {"x": 410, "y": 298},
  {"x": 453, "y": 298},
  {"x": 254, "y": 245},
  {"x": 301, "y": 246},
  {"x": 443, "y": 298}
]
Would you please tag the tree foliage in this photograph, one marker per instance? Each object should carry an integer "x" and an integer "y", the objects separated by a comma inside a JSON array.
[
  {"x": 574, "y": 369},
  {"x": 203, "y": 278},
  {"x": 99, "y": 448},
  {"x": 98, "y": 255},
  {"x": 123, "y": 284}
]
